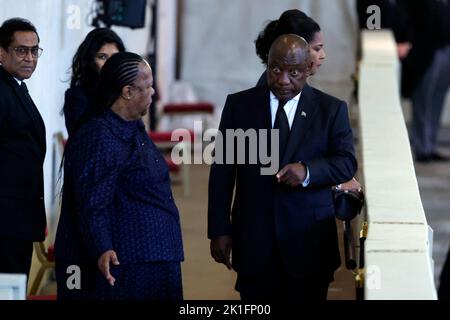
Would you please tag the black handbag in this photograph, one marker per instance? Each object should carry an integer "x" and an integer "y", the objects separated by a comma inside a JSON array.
[{"x": 347, "y": 203}]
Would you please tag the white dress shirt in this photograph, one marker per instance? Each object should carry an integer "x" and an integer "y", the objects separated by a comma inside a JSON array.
[{"x": 290, "y": 108}]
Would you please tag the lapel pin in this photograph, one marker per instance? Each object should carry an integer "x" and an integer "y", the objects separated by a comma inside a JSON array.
[{"x": 303, "y": 114}]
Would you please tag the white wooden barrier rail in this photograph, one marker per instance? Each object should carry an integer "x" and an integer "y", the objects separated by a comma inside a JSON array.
[{"x": 398, "y": 263}]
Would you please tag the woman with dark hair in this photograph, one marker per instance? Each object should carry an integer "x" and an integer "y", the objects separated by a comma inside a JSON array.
[
  {"x": 295, "y": 22},
  {"x": 98, "y": 46},
  {"x": 291, "y": 21},
  {"x": 119, "y": 234}
]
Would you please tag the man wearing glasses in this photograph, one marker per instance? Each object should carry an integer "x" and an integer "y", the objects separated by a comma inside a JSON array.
[{"x": 22, "y": 149}]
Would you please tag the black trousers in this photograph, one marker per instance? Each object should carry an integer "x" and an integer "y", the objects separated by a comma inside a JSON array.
[
  {"x": 275, "y": 284},
  {"x": 15, "y": 255}
]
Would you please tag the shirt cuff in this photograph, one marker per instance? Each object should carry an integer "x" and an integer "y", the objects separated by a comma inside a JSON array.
[{"x": 307, "y": 179}]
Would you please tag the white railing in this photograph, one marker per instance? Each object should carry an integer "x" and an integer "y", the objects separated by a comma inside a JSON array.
[
  {"x": 398, "y": 263},
  {"x": 13, "y": 286}
]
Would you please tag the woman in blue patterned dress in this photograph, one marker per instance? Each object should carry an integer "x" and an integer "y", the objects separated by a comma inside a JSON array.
[{"x": 119, "y": 234}]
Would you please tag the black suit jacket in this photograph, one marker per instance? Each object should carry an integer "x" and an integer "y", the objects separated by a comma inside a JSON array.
[
  {"x": 22, "y": 153},
  {"x": 298, "y": 221},
  {"x": 429, "y": 25},
  {"x": 77, "y": 107},
  {"x": 424, "y": 23}
]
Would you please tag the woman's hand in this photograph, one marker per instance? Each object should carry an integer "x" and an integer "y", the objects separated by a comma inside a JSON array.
[
  {"x": 103, "y": 264},
  {"x": 351, "y": 185}
]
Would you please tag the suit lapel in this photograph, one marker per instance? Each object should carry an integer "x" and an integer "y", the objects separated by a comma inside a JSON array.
[
  {"x": 33, "y": 113},
  {"x": 304, "y": 116},
  {"x": 263, "y": 117},
  {"x": 27, "y": 104},
  {"x": 263, "y": 105}
]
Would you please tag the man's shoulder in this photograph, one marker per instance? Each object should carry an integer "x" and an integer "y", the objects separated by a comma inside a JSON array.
[
  {"x": 327, "y": 103},
  {"x": 6, "y": 89},
  {"x": 5, "y": 78},
  {"x": 4, "y": 84},
  {"x": 325, "y": 97}
]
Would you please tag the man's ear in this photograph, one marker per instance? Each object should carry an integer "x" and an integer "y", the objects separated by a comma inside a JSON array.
[
  {"x": 126, "y": 92},
  {"x": 309, "y": 68}
]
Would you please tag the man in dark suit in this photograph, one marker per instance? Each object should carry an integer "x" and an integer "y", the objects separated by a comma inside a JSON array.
[
  {"x": 282, "y": 234},
  {"x": 22, "y": 149}
]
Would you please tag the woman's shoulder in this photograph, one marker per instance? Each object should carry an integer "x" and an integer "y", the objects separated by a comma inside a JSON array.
[
  {"x": 94, "y": 131},
  {"x": 105, "y": 130},
  {"x": 92, "y": 140},
  {"x": 76, "y": 92}
]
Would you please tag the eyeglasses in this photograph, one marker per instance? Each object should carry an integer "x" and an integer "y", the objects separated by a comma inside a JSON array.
[{"x": 22, "y": 51}]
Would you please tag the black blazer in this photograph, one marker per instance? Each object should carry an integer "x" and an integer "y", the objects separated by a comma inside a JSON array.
[
  {"x": 424, "y": 23},
  {"x": 77, "y": 105},
  {"x": 299, "y": 221},
  {"x": 429, "y": 25},
  {"x": 22, "y": 153}
]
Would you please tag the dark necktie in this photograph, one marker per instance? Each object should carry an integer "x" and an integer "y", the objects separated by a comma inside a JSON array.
[
  {"x": 282, "y": 124},
  {"x": 31, "y": 107},
  {"x": 24, "y": 89}
]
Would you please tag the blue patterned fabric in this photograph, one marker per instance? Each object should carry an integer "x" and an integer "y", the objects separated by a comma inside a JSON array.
[
  {"x": 117, "y": 196},
  {"x": 144, "y": 281}
]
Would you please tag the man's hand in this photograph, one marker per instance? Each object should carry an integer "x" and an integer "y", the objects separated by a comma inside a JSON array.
[
  {"x": 103, "y": 264},
  {"x": 221, "y": 249},
  {"x": 293, "y": 174}
]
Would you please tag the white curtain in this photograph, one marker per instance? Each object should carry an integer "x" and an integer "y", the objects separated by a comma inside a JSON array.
[{"x": 218, "y": 48}]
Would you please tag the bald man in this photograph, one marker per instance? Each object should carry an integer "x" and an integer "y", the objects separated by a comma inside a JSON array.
[{"x": 280, "y": 229}]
